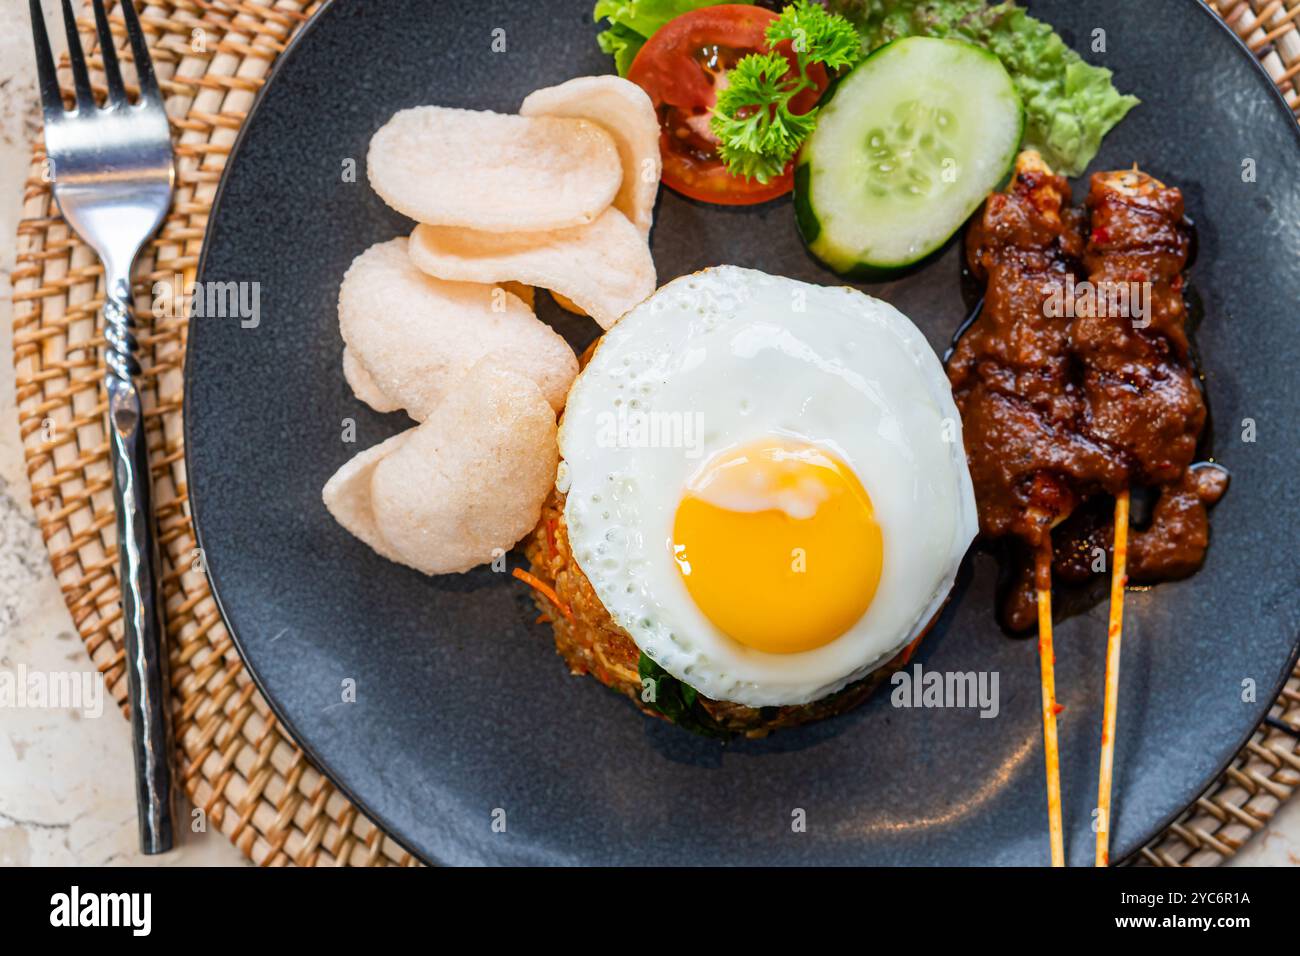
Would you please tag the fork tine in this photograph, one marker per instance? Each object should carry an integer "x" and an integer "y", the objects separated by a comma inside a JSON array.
[
  {"x": 140, "y": 50},
  {"x": 112, "y": 72},
  {"x": 80, "y": 77},
  {"x": 51, "y": 98}
]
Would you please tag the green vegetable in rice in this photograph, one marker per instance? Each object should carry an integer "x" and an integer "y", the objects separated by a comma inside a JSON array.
[{"x": 678, "y": 701}]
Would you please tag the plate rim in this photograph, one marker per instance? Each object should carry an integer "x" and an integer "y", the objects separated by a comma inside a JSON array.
[{"x": 382, "y": 820}]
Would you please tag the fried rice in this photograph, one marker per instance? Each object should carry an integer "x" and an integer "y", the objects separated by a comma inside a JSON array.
[{"x": 592, "y": 643}]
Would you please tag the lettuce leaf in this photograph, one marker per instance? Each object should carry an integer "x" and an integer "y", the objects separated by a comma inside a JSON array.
[
  {"x": 1069, "y": 103},
  {"x": 622, "y": 43},
  {"x": 632, "y": 22}
]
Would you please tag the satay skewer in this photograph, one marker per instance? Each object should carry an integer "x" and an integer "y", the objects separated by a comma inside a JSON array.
[
  {"x": 1114, "y": 636},
  {"x": 1118, "y": 251},
  {"x": 1047, "y": 666},
  {"x": 1011, "y": 371},
  {"x": 1025, "y": 240}
]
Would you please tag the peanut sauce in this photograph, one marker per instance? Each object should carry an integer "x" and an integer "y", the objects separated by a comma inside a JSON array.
[{"x": 1076, "y": 381}]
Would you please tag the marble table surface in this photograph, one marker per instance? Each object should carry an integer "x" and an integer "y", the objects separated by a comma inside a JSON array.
[{"x": 66, "y": 792}]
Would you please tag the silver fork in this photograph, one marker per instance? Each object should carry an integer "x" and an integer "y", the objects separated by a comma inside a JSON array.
[{"x": 112, "y": 171}]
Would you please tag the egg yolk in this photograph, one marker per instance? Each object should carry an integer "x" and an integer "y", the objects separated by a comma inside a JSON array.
[{"x": 778, "y": 545}]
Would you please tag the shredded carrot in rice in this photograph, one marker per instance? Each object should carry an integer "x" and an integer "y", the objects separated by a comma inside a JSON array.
[
  {"x": 545, "y": 590},
  {"x": 552, "y": 543}
]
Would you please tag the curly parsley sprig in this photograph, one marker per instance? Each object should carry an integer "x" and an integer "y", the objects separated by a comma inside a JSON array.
[{"x": 757, "y": 131}]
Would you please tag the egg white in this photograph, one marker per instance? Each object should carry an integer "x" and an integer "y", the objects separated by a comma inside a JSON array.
[{"x": 725, "y": 357}]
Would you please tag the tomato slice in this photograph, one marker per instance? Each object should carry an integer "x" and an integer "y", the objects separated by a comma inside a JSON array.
[{"x": 682, "y": 67}]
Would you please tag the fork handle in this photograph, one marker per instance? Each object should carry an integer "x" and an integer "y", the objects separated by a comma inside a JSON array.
[{"x": 137, "y": 546}]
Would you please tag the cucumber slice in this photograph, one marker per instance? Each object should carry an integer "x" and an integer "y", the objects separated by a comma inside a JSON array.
[{"x": 908, "y": 146}]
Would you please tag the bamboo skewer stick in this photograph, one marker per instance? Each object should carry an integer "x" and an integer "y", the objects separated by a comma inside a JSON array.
[
  {"x": 1047, "y": 663},
  {"x": 1118, "y": 578}
]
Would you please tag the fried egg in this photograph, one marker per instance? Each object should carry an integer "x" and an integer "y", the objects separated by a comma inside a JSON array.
[{"x": 766, "y": 483}]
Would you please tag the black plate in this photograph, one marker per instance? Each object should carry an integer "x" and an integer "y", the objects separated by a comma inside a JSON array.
[{"x": 462, "y": 707}]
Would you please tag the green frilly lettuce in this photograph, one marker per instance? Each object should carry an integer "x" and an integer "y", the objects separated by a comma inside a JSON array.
[{"x": 1069, "y": 104}]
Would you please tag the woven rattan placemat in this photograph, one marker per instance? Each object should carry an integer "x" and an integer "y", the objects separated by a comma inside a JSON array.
[{"x": 236, "y": 762}]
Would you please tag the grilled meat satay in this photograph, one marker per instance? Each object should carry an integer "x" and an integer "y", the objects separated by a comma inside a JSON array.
[
  {"x": 1132, "y": 342},
  {"x": 1011, "y": 373},
  {"x": 1139, "y": 384},
  {"x": 1061, "y": 404},
  {"x": 1022, "y": 244}
]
